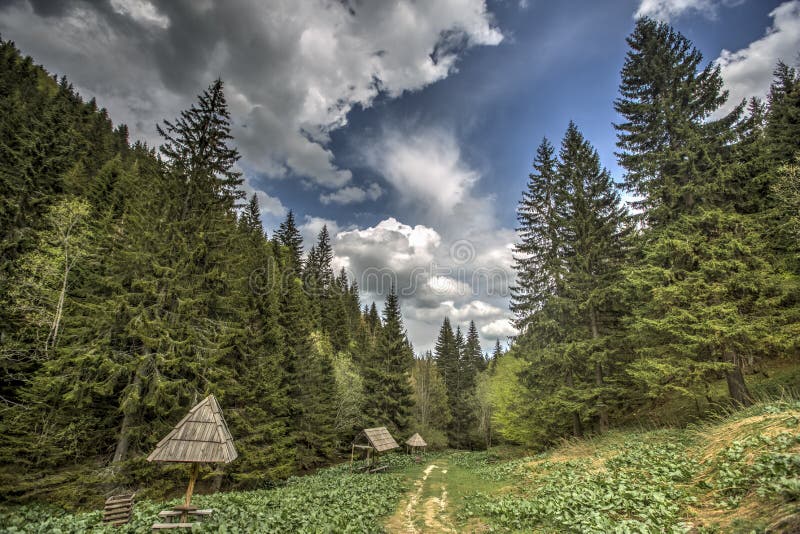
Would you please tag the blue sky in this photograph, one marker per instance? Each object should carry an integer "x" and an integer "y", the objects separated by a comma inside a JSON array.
[{"x": 407, "y": 127}]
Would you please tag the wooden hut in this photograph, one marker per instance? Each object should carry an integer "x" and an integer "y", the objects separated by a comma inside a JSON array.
[
  {"x": 374, "y": 441},
  {"x": 200, "y": 437},
  {"x": 414, "y": 443}
]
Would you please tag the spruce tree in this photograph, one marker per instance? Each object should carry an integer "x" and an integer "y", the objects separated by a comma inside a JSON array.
[
  {"x": 288, "y": 235},
  {"x": 666, "y": 101},
  {"x": 536, "y": 253},
  {"x": 700, "y": 307},
  {"x": 387, "y": 375}
]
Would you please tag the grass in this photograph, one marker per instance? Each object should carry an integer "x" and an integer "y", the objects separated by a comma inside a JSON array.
[{"x": 738, "y": 473}]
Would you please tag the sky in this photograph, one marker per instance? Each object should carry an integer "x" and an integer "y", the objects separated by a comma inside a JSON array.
[{"x": 407, "y": 127}]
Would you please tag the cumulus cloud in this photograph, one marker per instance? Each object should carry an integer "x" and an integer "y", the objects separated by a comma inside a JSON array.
[
  {"x": 748, "y": 72},
  {"x": 666, "y": 10},
  {"x": 499, "y": 329},
  {"x": 425, "y": 166},
  {"x": 352, "y": 194},
  {"x": 431, "y": 277},
  {"x": 293, "y": 69}
]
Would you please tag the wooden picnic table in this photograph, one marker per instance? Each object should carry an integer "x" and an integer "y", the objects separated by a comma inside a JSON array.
[{"x": 182, "y": 513}]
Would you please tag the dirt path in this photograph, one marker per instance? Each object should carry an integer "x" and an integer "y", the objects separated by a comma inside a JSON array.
[{"x": 424, "y": 509}]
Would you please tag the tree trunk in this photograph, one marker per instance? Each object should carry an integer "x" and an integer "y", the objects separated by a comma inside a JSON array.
[
  {"x": 53, "y": 336},
  {"x": 216, "y": 482},
  {"x": 735, "y": 379},
  {"x": 602, "y": 409},
  {"x": 123, "y": 442},
  {"x": 577, "y": 427}
]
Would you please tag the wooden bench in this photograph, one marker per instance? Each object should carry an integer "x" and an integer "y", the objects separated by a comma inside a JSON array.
[
  {"x": 169, "y": 514},
  {"x": 118, "y": 509},
  {"x": 172, "y": 515},
  {"x": 378, "y": 469}
]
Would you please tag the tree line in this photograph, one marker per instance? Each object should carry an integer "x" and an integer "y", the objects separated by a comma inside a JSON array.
[
  {"x": 136, "y": 280},
  {"x": 633, "y": 293}
]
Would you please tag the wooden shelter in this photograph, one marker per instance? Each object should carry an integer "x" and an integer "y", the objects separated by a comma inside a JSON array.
[
  {"x": 415, "y": 442},
  {"x": 200, "y": 437},
  {"x": 373, "y": 440}
]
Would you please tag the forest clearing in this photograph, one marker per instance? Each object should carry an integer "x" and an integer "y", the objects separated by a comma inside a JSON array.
[
  {"x": 735, "y": 474},
  {"x": 414, "y": 267}
]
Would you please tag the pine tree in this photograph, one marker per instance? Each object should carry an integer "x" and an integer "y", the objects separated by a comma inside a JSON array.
[
  {"x": 313, "y": 384},
  {"x": 196, "y": 147},
  {"x": 594, "y": 229},
  {"x": 289, "y": 236},
  {"x": 536, "y": 254},
  {"x": 446, "y": 355},
  {"x": 250, "y": 219},
  {"x": 700, "y": 307},
  {"x": 568, "y": 333},
  {"x": 783, "y": 126},
  {"x": 431, "y": 408},
  {"x": 387, "y": 375},
  {"x": 666, "y": 135}
]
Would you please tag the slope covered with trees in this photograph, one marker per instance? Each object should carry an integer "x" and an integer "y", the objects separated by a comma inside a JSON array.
[
  {"x": 623, "y": 311},
  {"x": 135, "y": 281}
]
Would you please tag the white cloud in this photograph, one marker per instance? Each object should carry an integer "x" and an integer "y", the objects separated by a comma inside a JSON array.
[
  {"x": 666, "y": 10},
  {"x": 293, "y": 69},
  {"x": 389, "y": 247},
  {"x": 499, "y": 329},
  {"x": 748, "y": 72},
  {"x": 425, "y": 166},
  {"x": 142, "y": 11},
  {"x": 448, "y": 287},
  {"x": 431, "y": 277},
  {"x": 352, "y": 194},
  {"x": 270, "y": 205}
]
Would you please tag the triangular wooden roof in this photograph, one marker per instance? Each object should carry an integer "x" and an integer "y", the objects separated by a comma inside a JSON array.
[
  {"x": 416, "y": 441},
  {"x": 380, "y": 439},
  {"x": 201, "y": 436}
]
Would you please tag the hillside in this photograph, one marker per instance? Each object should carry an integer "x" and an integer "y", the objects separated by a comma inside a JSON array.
[{"x": 738, "y": 474}]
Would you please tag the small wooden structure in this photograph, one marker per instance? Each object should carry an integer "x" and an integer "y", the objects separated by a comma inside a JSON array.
[
  {"x": 415, "y": 443},
  {"x": 200, "y": 437},
  {"x": 118, "y": 509},
  {"x": 372, "y": 440}
]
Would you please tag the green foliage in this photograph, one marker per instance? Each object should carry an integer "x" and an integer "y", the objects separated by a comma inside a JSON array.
[
  {"x": 387, "y": 375},
  {"x": 331, "y": 501},
  {"x": 759, "y": 462},
  {"x": 431, "y": 413},
  {"x": 638, "y": 490}
]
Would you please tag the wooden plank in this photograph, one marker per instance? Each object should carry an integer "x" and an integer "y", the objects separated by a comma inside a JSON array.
[
  {"x": 117, "y": 513},
  {"x": 118, "y": 502},
  {"x": 114, "y": 499},
  {"x": 165, "y": 526},
  {"x": 116, "y": 517},
  {"x": 207, "y": 511},
  {"x": 117, "y": 506},
  {"x": 169, "y": 513}
]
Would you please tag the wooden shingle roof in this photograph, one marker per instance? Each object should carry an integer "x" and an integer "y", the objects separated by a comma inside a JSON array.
[
  {"x": 416, "y": 441},
  {"x": 201, "y": 436},
  {"x": 380, "y": 439}
]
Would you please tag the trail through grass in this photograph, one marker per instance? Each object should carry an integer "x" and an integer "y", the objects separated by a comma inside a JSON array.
[{"x": 740, "y": 473}]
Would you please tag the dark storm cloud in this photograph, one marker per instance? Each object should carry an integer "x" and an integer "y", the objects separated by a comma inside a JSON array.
[{"x": 293, "y": 69}]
